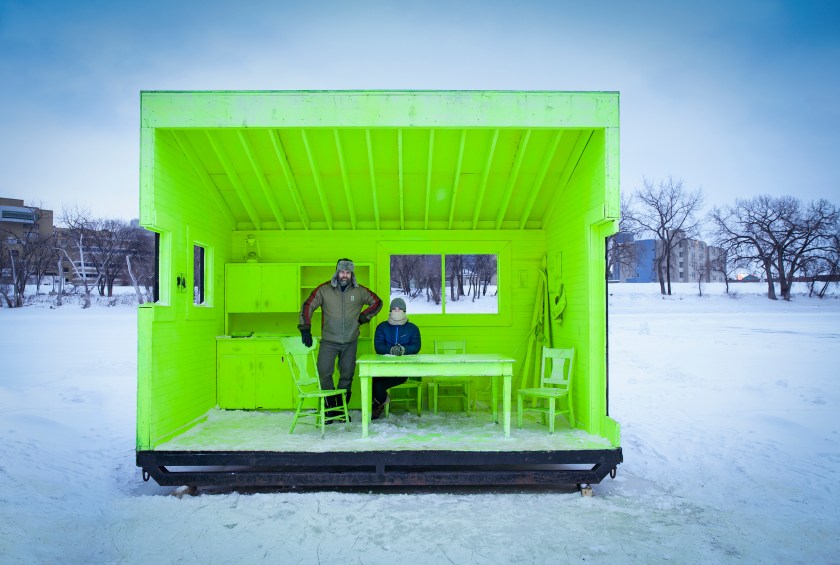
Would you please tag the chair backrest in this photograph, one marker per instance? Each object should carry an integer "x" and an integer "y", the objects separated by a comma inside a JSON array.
[
  {"x": 302, "y": 363},
  {"x": 450, "y": 347},
  {"x": 559, "y": 374}
]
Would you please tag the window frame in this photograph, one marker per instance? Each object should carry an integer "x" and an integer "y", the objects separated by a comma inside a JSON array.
[{"x": 500, "y": 248}]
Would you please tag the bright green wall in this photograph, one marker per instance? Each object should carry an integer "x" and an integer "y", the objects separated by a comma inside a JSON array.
[
  {"x": 519, "y": 251},
  {"x": 176, "y": 345},
  {"x": 575, "y": 257}
]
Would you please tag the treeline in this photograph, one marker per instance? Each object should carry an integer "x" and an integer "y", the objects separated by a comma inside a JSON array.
[
  {"x": 93, "y": 253},
  {"x": 783, "y": 237},
  {"x": 467, "y": 276}
]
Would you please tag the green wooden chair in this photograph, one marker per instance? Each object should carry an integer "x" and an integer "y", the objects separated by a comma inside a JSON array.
[
  {"x": 441, "y": 387},
  {"x": 302, "y": 365},
  {"x": 413, "y": 386},
  {"x": 555, "y": 384}
]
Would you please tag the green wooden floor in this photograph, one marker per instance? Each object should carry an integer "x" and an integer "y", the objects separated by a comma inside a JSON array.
[{"x": 240, "y": 430}]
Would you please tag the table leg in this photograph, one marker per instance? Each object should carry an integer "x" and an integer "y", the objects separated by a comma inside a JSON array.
[
  {"x": 506, "y": 403},
  {"x": 494, "y": 398},
  {"x": 365, "y": 385}
]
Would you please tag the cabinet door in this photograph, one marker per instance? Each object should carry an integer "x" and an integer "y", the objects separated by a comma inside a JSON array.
[
  {"x": 279, "y": 291},
  {"x": 242, "y": 288},
  {"x": 236, "y": 381},
  {"x": 273, "y": 382}
]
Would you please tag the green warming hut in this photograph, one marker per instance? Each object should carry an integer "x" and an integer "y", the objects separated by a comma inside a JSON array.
[{"x": 504, "y": 197}]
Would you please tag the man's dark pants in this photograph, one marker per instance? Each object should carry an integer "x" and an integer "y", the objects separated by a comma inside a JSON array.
[{"x": 346, "y": 353}]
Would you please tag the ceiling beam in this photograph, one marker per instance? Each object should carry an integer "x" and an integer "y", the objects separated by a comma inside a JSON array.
[
  {"x": 549, "y": 156},
  {"x": 514, "y": 175},
  {"x": 484, "y": 176},
  {"x": 274, "y": 135},
  {"x": 262, "y": 179},
  {"x": 230, "y": 171},
  {"x": 192, "y": 156},
  {"x": 402, "y": 181},
  {"x": 345, "y": 180},
  {"x": 429, "y": 177},
  {"x": 372, "y": 177},
  {"x": 316, "y": 177},
  {"x": 457, "y": 180},
  {"x": 568, "y": 171}
]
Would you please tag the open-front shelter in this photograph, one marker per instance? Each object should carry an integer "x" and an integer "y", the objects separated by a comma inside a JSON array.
[{"x": 255, "y": 195}]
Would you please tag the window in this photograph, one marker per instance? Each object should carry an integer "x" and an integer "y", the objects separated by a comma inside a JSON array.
[
  {"x": 417, "y": 280},
  {"x": 198, "y": 275},
  {"x": 156, "y": 287},
  {"x": 446, "y": 284},
  {"x": 472, "y": 284},
  {"x": 440, "y": 259}
]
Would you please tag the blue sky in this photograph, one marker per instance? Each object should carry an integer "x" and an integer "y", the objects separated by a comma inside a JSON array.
[{"x": 737, "y": 98}]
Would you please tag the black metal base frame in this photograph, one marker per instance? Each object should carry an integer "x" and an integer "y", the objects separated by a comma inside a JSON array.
[{"x": 377, "y": 468}]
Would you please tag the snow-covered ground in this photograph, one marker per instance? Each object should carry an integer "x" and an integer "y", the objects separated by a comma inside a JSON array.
[{"x": 728, "y": 408}]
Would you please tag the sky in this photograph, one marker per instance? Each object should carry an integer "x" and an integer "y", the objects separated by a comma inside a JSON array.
[{"x": 735, "y": 98}]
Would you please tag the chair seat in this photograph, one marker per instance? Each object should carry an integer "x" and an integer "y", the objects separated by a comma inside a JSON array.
[
  {"x": 321, "y": 393},
  {"x": 408, "y": 384},
  {"x": 543, "y": 392}
]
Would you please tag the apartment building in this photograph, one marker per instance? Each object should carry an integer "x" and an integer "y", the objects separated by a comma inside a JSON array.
[{"x": 691, "y": 260}]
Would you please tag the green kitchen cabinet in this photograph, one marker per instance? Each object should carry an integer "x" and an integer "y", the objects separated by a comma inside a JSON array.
[
  {"x": 265, "y": 287},
  {"x": 253, "y": 374}
]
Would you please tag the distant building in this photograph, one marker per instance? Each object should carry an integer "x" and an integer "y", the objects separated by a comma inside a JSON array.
[
  {"x": 691, "y": 259},
  {"x": 18, "y": 222}
]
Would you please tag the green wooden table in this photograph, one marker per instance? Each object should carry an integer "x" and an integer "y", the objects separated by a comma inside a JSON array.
[{"x": 490, "y": 365}]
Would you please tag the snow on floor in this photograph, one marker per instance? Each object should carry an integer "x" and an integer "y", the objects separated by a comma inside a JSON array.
[
  {"x": 268, "y": 431},
  {"x": 728, "y": 407}
]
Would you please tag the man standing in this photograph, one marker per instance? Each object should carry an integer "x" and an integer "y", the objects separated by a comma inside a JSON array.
[{"x": 341, "y": 300}]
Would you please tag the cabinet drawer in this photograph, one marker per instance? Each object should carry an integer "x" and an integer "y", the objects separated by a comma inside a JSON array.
[
  {"x": 234, "y": 347},
  {"x": 249, "y": 347},
  {"x": 267, "y": 347}
]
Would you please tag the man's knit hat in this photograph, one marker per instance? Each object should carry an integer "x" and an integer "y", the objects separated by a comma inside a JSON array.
[{"x": 398, "y": 303}]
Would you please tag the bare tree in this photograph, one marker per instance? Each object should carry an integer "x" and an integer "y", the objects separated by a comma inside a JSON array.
[
  {"x": 721, "y": 263},
  {"x": 29, "y": 257},
  {"x": 622, "y": 252},
  {"x": 669, "y": 212},
  {"x": 417, "y": 274},
  {"x": 140, "y": 261},
  {"x": 455, "y": 272},
  {"x": 109, "y": 245},
  {"x": 823, "y": 268},
  {"x": 778, "y": 234},
  {"x": 6, "y": 275},
  {"x": 76, "y": 239}
]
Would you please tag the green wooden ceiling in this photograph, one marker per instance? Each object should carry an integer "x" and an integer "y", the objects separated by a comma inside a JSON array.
[{"x": 384, "y": 178}]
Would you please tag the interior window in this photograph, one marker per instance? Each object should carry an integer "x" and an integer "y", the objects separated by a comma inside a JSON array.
[
  {"x": 198, "y": 274},
  {"x": 417, "y": 280},
  {"x": 472, "y": 286},
  {"x": 446, "y": 284}
]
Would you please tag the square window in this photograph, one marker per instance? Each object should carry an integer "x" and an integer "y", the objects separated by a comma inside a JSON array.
[
  {"x": 472, "y": 286},
  {"x": 417, "y": 280}
]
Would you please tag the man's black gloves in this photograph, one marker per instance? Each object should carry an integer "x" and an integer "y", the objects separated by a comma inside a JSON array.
[
  {"x": 306, "y": 337},
  {"x": 363, "y": 319},
  {"x": 397, "y": 350}
]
